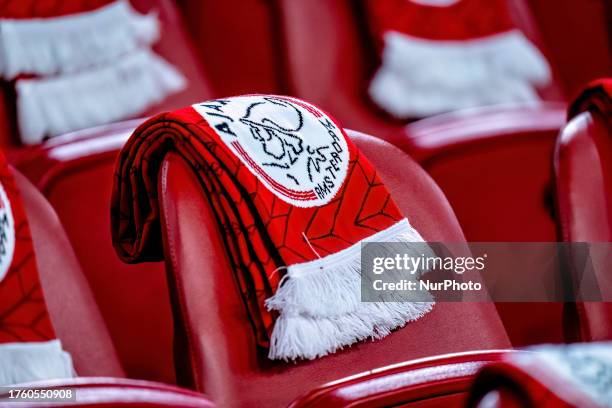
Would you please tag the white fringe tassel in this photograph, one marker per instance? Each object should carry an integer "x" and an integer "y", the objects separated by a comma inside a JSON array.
[
  {"x": 307, "y": 337},
  {"x": 320, "y": 303},
  {"x": 34, "y": 361},
  {"x": 46, "y": 46},
  {"x": 48, "y": 107},
  {"x": 420, "y": 77}
]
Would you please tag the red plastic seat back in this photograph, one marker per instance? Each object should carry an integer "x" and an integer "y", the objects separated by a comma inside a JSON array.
[
  {"x": 74, "y": 313},
  {"x": 217, "y": 349},
  {"x": 494, "y": 165},
  {"x": 583, "y": 171},
  {"x": 582, "y": 51},
  {"x": 75, "y": 173},
  {"x": 237, "y": 44}
]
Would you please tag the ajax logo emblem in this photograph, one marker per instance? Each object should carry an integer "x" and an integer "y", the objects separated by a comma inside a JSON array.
[
  {"x": 292, "y": 147},
  {"x": 7, "y": 233}
]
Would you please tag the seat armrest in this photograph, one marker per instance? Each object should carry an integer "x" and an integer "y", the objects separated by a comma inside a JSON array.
[
  {"x": 445, "y": 378},
  {"x": 427, "y": 138}
]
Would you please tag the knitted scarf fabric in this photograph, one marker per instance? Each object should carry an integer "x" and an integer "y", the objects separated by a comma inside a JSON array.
[
  {"x": 293, "y": 197},
  {"x": 80, "y": 63},
  {"x": 29, "y": 349},
  {"x": 442, "y": 55}
]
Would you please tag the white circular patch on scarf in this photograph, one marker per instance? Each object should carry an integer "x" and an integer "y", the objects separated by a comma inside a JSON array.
[
  {"x": 292, "y": 147},
  {"x": 7, "y": 233}
]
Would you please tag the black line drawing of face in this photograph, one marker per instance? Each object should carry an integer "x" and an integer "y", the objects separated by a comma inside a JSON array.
[{"x": 281, "y": 143}]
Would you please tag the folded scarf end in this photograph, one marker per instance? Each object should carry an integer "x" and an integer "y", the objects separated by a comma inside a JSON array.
[
  {"x": 320, "y": 304},
  {"x": 332, "y": 285}
]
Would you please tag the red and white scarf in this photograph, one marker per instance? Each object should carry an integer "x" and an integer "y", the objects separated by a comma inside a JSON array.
[
  {"x": 442, "y": 55},
  {"x": 294, "y": 199},
  {"x": 29, "y": 349},
  {"x": 81, "y": 63}
]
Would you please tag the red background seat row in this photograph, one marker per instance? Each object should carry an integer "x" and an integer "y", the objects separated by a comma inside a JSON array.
[{"x": 315, "y": 50}]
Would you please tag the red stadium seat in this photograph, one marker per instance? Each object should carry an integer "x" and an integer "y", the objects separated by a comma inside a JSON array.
[
  {"x": 583, "y": 164},
  {"x": 326, "y": 48},
  {"x": 431, "y": 382},
  {"x": 74, "y": 314},
  {"x": 174, "y": 46},
  {"x": 127, "y": 295},
  {"x": 584, "y": 197},
  {"x": 75, "y": 173},
  {"x": 581, "y": 52},
  {"x": 79, "y": 325},
  {"x": 482, "y": 157},
  {"x": 552, "y": 376},
  {"x": 63, "y": 169},
  {"x": 218, "y": 349},
  {"x": 494, "y": 165}
]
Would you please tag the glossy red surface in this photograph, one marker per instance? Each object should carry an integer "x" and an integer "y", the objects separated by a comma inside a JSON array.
[
  {"x": 437, "y": 381},
  {"x": 237, "y": 44},
  {"x": 584, "y": 197},
  {"x": 133, "y": 299},
  {"x": 75, "y": 173},
  {"x": 494, "y": 165},
  {"x": 530, "y": 381},
  {"x": 583, "y": 165},
  {"x": 80, "y": 327},
  {"x": 74, "y": 313},
  {"x": 500, "y": 398},
  {"x": 216, "y": 348}
]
